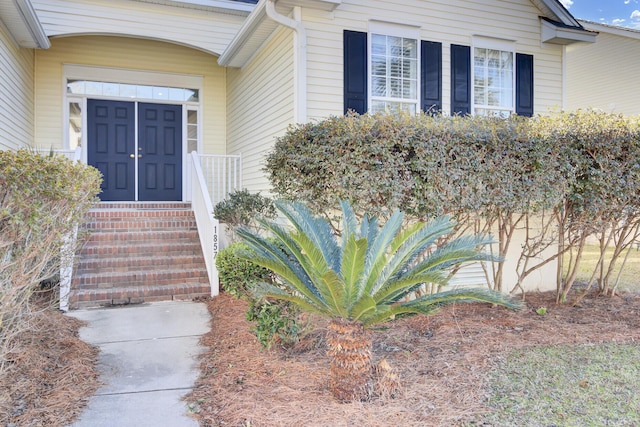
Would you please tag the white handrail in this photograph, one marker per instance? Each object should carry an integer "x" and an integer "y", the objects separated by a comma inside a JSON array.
[
  {"x": 208, "y": 226},
  {"x": 222, "y": 175}
]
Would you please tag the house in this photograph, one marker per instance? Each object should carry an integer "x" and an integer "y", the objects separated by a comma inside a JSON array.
[
  {"x": 603, "y": 75},
  {"x": 134, "y": 86}
]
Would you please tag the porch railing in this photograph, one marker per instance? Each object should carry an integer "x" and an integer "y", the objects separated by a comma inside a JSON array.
[
  {"x": 208, "y": 226},
  {"x": 222, "y": 175}
]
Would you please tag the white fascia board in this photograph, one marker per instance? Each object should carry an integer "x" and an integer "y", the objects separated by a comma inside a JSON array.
[
  {"x": 611, "y": 29},
  {"x": 555, "y": 34},
  {"x": 255, "y": 19},
  {"x": 21, "y": 20},
  {"x": 220, "y": 6},
  {"x": 557, "y": 11}
]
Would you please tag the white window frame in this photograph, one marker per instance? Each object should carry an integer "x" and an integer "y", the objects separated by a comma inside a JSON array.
[
  {"x": 396, "y": 30},
  {"x": 494, "y": 44},
  {"x": 136, "y": 77}
]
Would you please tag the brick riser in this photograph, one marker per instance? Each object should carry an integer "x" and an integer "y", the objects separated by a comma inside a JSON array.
[{"x": 139, "y": 252}]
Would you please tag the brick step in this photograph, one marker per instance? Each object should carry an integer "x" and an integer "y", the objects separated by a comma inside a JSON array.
[
  {"x": 105, "y": 225},
  {"x": 142, "y": 249},
  {"x": 131, "y": 295},
  {"x": 164, "y": 277},
  {"x": 133, "y": 237},
  {"x": 139, "y": 252},
  {"x": 129, "y": 263},
  {"x": 144, "y": 205},
  {"x": 119, "y": 214}
]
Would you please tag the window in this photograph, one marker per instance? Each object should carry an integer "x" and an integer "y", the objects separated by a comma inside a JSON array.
[
  {"x": 392, "y": 68},
  {"x": 493, "y": 78},
  {"x": 394, "y": 74}
]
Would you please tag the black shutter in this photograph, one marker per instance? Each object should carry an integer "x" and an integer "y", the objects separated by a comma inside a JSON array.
[
  {"x": 460, "y": 79},
  {"x": 431, "y": 77},
  {"x": 355, "y": 71},
  {"x": 524, "y": 84}
]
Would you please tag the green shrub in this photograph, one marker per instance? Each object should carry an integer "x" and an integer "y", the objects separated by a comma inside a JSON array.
[
  {"x": 42, "y": 199},
  {"x": 242, "y": 208},
  {"x": 235, "y": 274},
  {"x": 276, "y": 322}
]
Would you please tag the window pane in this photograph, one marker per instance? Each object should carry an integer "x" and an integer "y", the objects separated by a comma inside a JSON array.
[
  {"x": 493, "y": 82},
  {"x": 128, "y": 91},
  {"x": 379, "y": 86},
  {"x": 394, "y": 73},
  {"x": 379, "y": 66},
  {"x": 75, "y": 125},
  {"x": 378, "y": 44},
  {"x": 145, "y": 92},
  {"x": 111, "y": 89}
]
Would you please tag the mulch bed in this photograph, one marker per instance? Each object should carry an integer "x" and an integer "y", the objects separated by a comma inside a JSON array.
[
  {"x": 441, "y": 363},
  {"x": 50, "y": 373}
]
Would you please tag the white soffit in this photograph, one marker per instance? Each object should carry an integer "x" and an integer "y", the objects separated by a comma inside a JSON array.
[
  {"x": 556, "y": 33},
  {"x": 220, "y": 6},
  {"x": 20, "y": 18}
]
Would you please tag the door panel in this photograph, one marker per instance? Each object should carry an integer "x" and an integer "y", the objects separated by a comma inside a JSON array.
[
  {"x": 111, "y": 141},
  {"x": 160, "y": 152}
]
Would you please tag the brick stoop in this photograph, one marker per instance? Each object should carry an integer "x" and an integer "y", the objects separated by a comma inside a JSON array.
[{"x": 139, "y": 252}]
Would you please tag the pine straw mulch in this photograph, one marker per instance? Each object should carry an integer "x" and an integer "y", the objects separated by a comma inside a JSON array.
[
  {"x": 51, "y": 373},
  {"x": 441, "y": 363}
]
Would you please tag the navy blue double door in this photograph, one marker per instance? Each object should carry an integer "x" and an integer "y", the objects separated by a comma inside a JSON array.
[{"x": 146, "y": 168}]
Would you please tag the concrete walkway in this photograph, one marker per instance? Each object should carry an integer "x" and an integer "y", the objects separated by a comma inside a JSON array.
[{"x": 147, "y": 363}]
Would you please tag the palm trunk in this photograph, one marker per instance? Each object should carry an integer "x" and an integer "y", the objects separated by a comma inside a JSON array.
[{"x": 349, "y": 347}]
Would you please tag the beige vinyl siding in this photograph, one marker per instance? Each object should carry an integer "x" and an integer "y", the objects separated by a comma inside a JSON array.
[
  {"x": 604, "y": 75},
  {"x": 445, "y": 21},
  {"x": 16, "y": 94},
  {"x": 126, "y": 53},
  {"x": 261, "y": 97},
  {"x": 206, "y": 30}
]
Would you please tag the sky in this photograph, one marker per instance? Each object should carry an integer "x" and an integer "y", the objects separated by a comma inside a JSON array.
[{"x": 623, "y": 13}]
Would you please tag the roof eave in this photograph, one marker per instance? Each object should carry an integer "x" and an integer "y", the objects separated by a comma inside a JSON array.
[
  {"x": 258, "y": 26},
  {"x": 21, "y": 20},
  {"x": 563, "y": 35},
  {"x": 555, "y": 11}
]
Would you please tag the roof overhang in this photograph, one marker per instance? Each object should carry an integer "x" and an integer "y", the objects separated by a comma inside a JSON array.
[
  {"x": 258, "y": 27},
  {"x": 555, "y": 11},
  {"x": 563, "y": 34},
  {"x": 611, "y": 29},
  {"x": 19, "y": 17},
  {"x": 220, "y": 6}
]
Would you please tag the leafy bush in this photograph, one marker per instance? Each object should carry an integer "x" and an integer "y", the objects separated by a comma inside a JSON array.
[
  {"x": 276, "y": 321},
  {"x": 575, "y": 175},
  {"x": 242, "y": 209},
  {"x": 42, "y": 199},
  {"x": 236, "y": 274}
]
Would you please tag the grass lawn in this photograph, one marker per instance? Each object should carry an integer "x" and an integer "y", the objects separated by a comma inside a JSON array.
[
  {"x": 592, "y": 385},
  {"x": 630, "y": 277}
]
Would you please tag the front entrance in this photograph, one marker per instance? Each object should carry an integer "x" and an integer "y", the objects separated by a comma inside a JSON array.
[{"x": 146, "y": 168}]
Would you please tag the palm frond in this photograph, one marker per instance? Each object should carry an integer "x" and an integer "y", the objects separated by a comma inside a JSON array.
[
  {"x": 409, "y": 245},
  {"x": 271, "y": 256},
  {"x": 266, "y": 290},
  {"x": 316, "y": 228},
  {"x": 353, "y": 257},
  {"x": 463, "y": 295},
  {"x": 377, "y": 251},
  {"x": 402, "y": 286}
]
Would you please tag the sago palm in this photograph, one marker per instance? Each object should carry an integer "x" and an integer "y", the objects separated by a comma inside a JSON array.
[{"x": 361, "y": 278}]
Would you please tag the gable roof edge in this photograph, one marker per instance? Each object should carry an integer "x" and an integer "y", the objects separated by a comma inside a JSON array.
[
  {"x": 555, "y": 11},
  {"x": 20, "y": 18}
]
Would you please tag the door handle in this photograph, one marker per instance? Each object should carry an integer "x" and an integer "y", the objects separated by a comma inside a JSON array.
[
  {"x": 133, "y": 156},
  {"x": 139, "y": 156}
]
